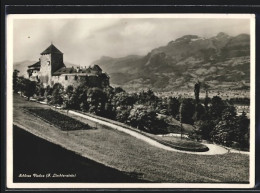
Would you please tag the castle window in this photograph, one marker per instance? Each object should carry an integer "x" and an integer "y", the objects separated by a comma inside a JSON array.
[
  {"x": 66, "y": 77},
  {"x": 49, "y": 63},
  {"x": 76, "y": 78}
]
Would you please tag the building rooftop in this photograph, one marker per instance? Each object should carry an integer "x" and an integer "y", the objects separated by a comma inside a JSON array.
[
  {"x": 96, "y": 67},
  {"x": 51, "y": 50},
  {"x": 77, "y": 70},
  {"x": 35, "y": 65},
  {"x": 64, "y": 70}
]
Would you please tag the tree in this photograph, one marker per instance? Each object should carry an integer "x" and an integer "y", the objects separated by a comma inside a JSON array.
[
  {"x": 40, "y": 89},
  {"x": 123, "y": 99},
  {"x": 48, "y": 91},
  {"x": 242, "y": 132},
  {"x": 204, "y": 129},
  {"x": 197, "y": 92},
  {"x": 28, "y": 87},
  {"x": 225, "y": 131},
  {"x": 145, "y": 118},
  {"x": 78, "y": 96},
  {"x": 69, "y": 91},
  {"x": 67, "y": 100},
  {"x": 96, "y": 99},
  {"x": 199, "y": 112},
  {"x": 173, "y": 106},
  {"x": 206, "y": 103},
  {"x": 15, "y": 81},
  {"x": 206, "y": 100},
  {"x": 118, "y": 90},
  {"x": 122, "y": 103},
  {"x": 109, "y": 111},
  {"x": 57, "y": 94},
  {"x": 217, "y": 107},
  {"x": 122, "y": 113},
  {"x": 187, "y": 109},
  {"x": 147, "y": 98}
]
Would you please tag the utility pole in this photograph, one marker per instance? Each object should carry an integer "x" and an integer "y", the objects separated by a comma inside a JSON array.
[{"x": 181, "y": 130}]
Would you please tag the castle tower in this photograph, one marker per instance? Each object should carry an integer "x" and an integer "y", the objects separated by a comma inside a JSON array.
[{"x": 51, "y": 60}]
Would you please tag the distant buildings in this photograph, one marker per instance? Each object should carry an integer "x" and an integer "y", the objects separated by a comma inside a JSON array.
[
  {"x": 243, "y": 108},
  {"x": 50, "y": 69}
]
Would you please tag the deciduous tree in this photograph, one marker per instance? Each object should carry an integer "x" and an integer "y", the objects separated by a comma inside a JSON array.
[{"x": 57, "y": 94}]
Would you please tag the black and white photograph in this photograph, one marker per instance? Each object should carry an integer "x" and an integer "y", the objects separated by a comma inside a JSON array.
[{"x": 130, "y": 101}]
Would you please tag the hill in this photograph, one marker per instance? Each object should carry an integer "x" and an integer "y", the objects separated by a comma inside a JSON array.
[
  {"x": 22, "y": 67},
  {"x": 222, "y": 61}
]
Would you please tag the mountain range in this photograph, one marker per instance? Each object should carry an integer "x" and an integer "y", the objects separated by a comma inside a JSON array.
[{"x": 221, "y": 62}]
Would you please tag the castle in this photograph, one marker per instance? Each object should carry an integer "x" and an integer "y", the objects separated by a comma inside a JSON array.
[{"x": 50, "y": 69}]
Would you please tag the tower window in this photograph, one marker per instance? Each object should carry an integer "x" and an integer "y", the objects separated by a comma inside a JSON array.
[
  {"x": 76, "y": 78},
  {"x": 66, "y": 77}
]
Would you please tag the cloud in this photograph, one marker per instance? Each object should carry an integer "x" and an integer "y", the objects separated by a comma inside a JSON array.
[
  {"x": 84, "y": 40},
  {"x": 138, "y": 29}
]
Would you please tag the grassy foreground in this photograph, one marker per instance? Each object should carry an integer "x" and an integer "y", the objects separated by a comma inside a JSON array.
[
  {"x": 128, "y": 154},
  {"x": 53, "y": 159}
]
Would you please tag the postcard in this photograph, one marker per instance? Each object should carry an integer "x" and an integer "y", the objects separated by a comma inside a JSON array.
[{"x": 130, "y": 101}]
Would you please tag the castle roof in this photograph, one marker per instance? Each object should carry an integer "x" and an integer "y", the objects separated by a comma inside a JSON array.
[
  {"x": 96, "y": 67},
  {"x": 35, "y": 65},
  {"x": 51, "y": 50},
  {"x": 64, "y": 70},
  {"x": 72, "y": 70},
  {"x": 80, "y": 71}
]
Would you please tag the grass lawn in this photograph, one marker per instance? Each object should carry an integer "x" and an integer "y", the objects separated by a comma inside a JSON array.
[
  {"x": 128, "y": 154},
  {"x": 50, "y": 159}
]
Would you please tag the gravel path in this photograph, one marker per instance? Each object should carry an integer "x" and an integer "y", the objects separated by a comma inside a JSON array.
[{"x": 213, "y": 148}]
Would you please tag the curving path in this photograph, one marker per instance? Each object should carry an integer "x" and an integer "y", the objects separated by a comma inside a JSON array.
[{"x": 213, "y": 148}]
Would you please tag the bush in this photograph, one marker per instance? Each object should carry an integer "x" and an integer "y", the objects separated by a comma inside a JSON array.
[
  {"x": 144, "y": 118},
  {"x": 187, "y": 109},
  {"x": 61, "y": 121}
]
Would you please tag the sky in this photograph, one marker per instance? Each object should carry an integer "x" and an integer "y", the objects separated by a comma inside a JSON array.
[{"x": 84, "y": 40}]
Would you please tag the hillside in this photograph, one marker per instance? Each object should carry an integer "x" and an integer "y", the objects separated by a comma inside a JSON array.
[
  {"x": 221, "y": 61},
  {"x": 22, "y": 67}
]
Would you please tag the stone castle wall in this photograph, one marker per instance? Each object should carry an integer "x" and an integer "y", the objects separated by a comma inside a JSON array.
[
  {"x": 76, "y": 80},
  {"x": 45, "y": 70},
  {"x": 66, "y": 80}
]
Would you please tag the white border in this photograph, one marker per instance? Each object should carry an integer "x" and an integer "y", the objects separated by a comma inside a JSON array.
[{"x": 9, "y": 123}]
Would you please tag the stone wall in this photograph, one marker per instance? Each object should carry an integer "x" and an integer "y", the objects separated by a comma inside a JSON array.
[
  {"x": 66, "y": 80},
  {"x": 45, "y": 70},
  {"x": 76, "y": 80}
]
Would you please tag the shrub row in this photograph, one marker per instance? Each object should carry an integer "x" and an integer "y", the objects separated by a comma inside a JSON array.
[{"x": 61, "y": 121}]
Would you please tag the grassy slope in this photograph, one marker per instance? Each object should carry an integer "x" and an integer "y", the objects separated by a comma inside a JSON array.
[
  {"x": 126, "y": 153},
  {"x": 174, "y": 142},
  {"x": 35, "y": 155}
]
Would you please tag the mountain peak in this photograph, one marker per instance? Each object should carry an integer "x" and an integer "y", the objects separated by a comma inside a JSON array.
[
  {"x": 222, "y": 34},
  {"x": 187, "y": 38}
]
